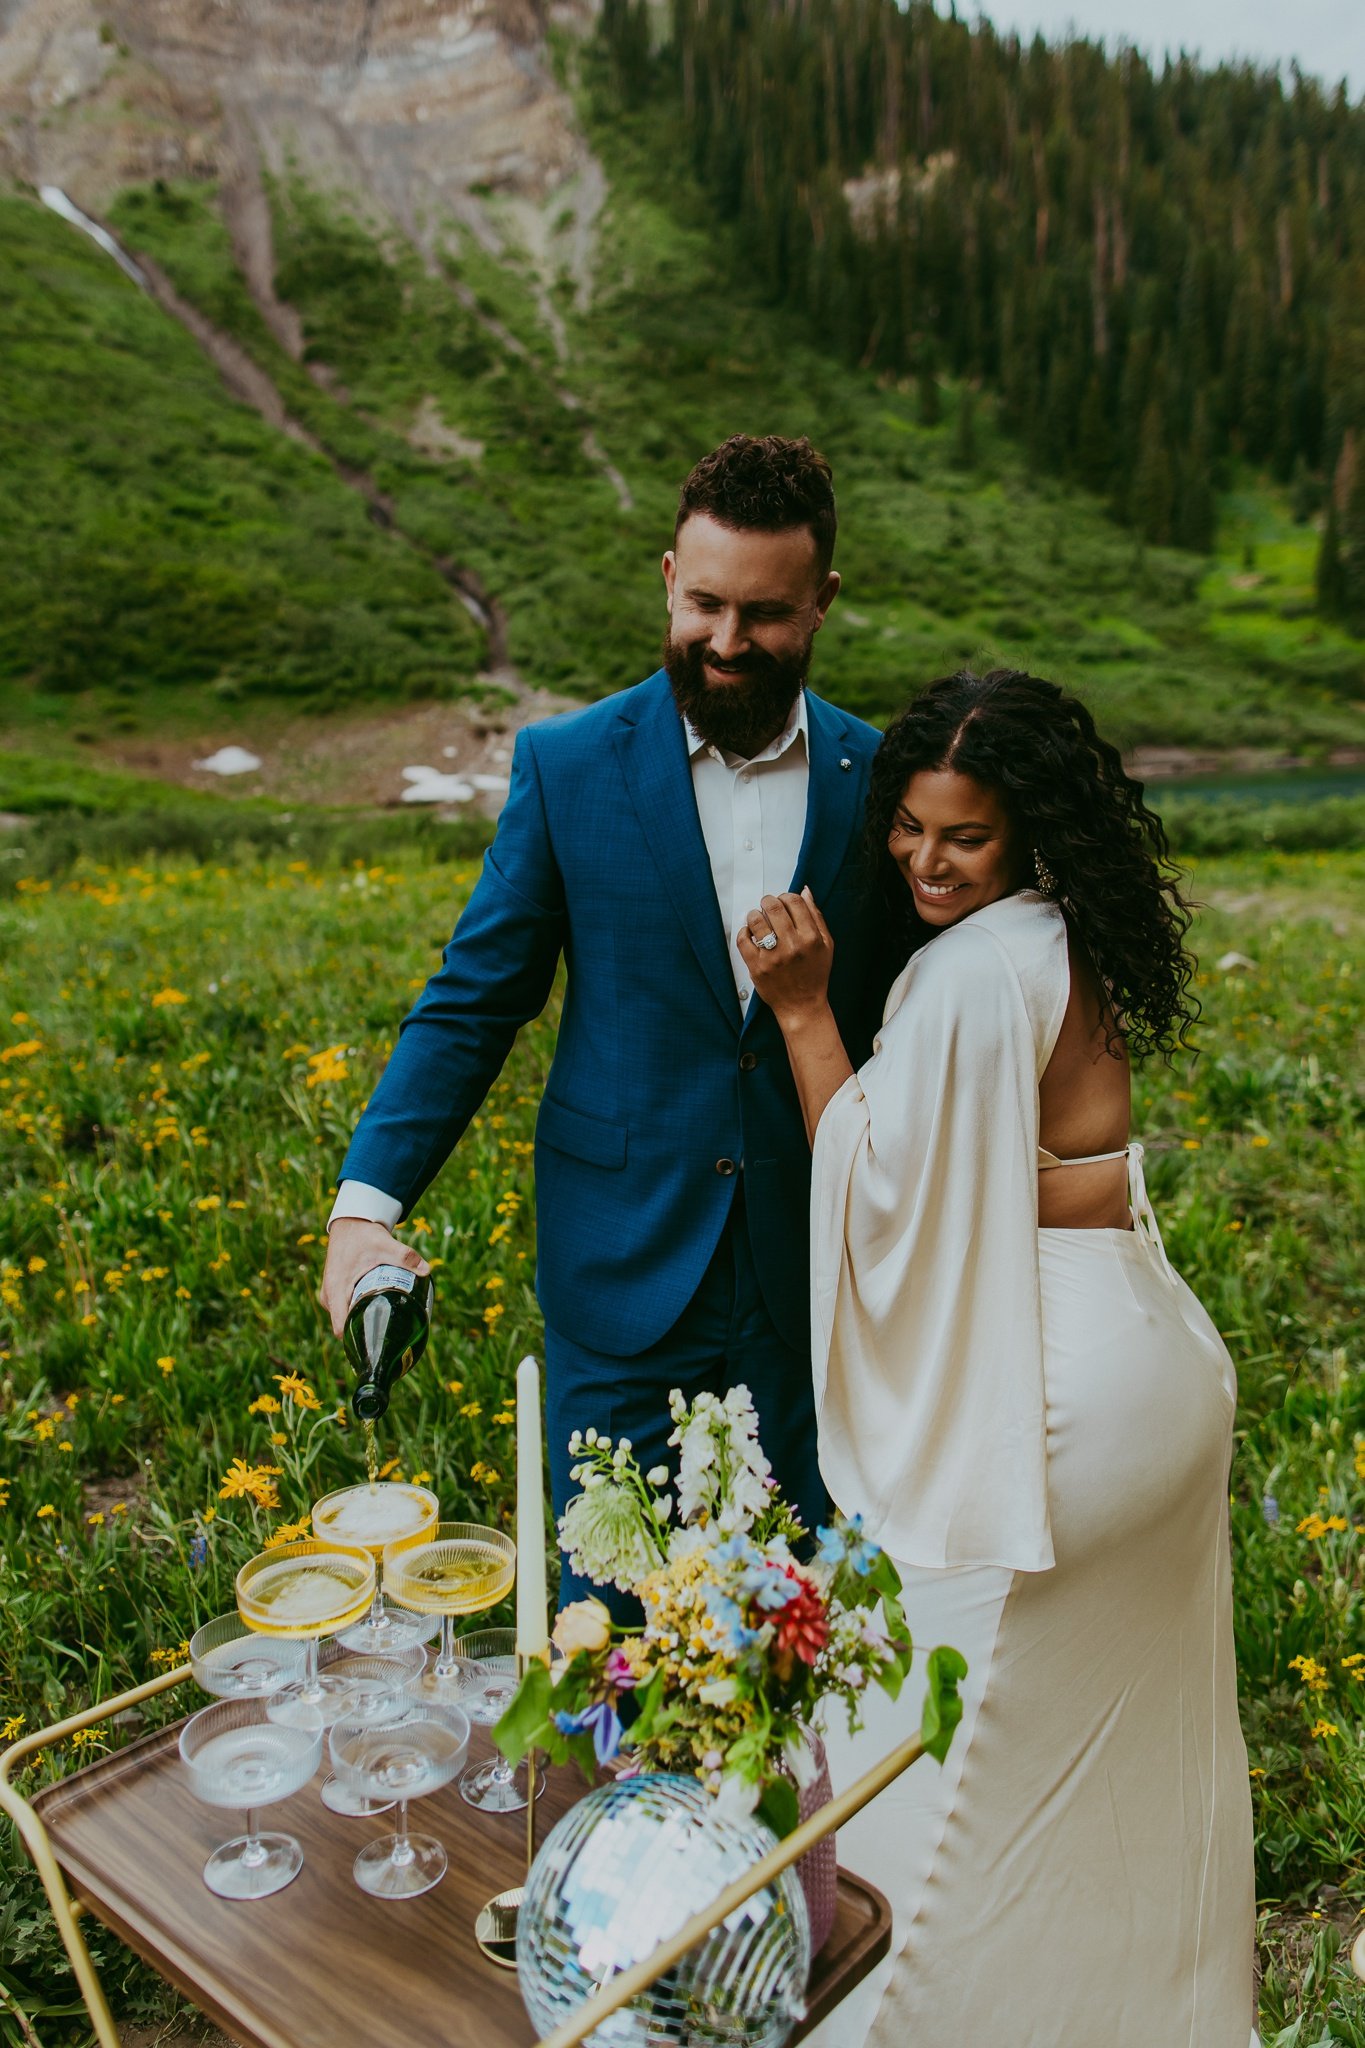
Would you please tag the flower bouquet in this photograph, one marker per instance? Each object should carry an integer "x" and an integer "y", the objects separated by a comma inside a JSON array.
[{"x": 741, "y": 1640}]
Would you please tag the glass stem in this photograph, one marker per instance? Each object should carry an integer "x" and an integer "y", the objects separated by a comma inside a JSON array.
[
  {"x": 402, "y": 1847},
  {"x": 255, "y": 1852},
  {"x": 445, "y": 1666},
  {"x": 309, "y": 1684},
  {"x": 376, "y": 1615}
]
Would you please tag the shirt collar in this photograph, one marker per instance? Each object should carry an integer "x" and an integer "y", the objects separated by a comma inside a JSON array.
[{"x": 797, "y": 725}]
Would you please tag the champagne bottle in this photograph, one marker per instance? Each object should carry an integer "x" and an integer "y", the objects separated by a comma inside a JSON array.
[{"x": 386, "y": 1331}]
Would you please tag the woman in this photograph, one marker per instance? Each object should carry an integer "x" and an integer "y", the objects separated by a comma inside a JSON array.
[{"x": 1028, "y": 1405}]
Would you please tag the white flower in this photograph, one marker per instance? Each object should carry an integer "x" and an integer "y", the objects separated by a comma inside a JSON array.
[
  {"x": 605, "y": 1534},
  {"x": 657, "y": 1475},
  {"x": 799, "y": 1757},
  {"x": 737, "y": 1796},
  {"x": 590, "y": 1436}
]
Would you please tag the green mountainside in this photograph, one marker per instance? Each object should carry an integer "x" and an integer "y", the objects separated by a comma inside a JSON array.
[{"x": 169, "y": 554}]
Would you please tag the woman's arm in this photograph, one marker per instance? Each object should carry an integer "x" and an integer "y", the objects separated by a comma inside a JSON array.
[{"x": 793, "y": 979}]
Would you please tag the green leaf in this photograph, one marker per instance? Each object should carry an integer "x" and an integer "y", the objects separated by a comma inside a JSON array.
[
  {"x": 648, "y": 1702},
  {"x": 942, "y": 1706},
  {"x": 526, "y": 1723},
  {"x": 779, "y": 1806}
]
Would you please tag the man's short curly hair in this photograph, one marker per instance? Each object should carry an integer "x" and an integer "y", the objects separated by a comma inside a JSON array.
[{"x": 763, "y": 483}]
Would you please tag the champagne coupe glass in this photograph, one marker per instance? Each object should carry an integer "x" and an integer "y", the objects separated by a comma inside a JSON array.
[
  {"x": 378, "y": 1689},
  {"x": 231, "y": 1661},
  {"x": 237, "y": 1755},
  {"x": 370, "y": 1517},
  {"x": 400, "y": 1760},
  {"x": 305, "y": 1591},
  {"x": 487, "y": 1659},
  {"x": 460, "y": 1568}
]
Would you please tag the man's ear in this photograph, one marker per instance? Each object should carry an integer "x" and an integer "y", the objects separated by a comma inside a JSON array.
[
  {"x": 825, "y": 596},
  {"x": 669, "y": 566}
]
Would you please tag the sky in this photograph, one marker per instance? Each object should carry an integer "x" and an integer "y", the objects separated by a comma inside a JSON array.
[{"x": 1327, "y": 37}]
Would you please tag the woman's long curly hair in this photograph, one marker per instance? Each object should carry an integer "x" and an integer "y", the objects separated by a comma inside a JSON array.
[{"x": 1070, "y": 803}]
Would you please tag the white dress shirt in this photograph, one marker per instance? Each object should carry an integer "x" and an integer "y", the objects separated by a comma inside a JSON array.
[{"x": 753, "y": 820}]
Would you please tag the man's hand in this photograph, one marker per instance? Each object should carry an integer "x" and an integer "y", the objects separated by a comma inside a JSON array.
[{"x": 355, "y": 1247}]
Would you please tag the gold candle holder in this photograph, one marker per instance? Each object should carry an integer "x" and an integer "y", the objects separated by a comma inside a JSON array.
[{"x": 495, "y": 1930}]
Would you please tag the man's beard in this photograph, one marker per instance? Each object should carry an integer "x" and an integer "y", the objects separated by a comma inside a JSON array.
[{"x": 743, "y": 716}]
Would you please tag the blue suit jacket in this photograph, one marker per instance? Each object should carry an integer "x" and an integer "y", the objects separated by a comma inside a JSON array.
[{"x": 659, "y": 1081}]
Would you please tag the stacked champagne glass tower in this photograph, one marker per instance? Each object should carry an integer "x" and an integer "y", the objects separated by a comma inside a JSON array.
[{"x": 379, "y": 1576}]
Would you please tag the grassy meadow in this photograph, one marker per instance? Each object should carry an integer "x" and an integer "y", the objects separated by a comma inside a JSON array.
[{"x": 183, "y": 1051}]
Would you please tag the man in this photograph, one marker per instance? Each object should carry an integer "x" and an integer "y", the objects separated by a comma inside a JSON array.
[{"x": 672, "y": 1169}]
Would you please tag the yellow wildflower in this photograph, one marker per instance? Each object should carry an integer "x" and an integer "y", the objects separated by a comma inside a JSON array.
[
  {"x": 1321, "y": 1728},
  {"x": 24, "y": 1051},
  {"x": 166, "y": 1364},
  {"x": 421, "y": 1478},
  {"x": 288, "y": 1532},
  {"x": 327, "y": 1065},
  {"x": 485, "y": 1475},
  {"x": 37, "y": 1265},
  {"x": 471, "y": 1409},
  {"x": 45, "y": 1510},
  {"x": 254, "y": 1482},
  {"x": 1313, "y": 1674},
  {"x": 455, "y": 1387},
  {"x": 504, "y": 1415},
  {"x": 297, "y": 1390},
  {"x": 167, "y": 998},
  {"x": 264, "y": 1404},
  {"x": 96, "y": 1520}
]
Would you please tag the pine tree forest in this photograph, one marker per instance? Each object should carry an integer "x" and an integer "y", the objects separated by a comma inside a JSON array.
[{"x": 1160, "y": 274}]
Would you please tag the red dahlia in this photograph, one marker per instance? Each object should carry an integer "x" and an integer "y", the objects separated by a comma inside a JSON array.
[{"x": 802, "y": 1626}]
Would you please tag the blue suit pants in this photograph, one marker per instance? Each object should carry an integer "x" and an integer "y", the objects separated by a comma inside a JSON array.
[{"x": 724, "y": 1337}]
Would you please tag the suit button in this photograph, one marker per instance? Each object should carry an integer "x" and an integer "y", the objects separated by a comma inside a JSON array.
[
  {"x": 725, "y": 1166},
  {"x": 747, "y": 1062}
]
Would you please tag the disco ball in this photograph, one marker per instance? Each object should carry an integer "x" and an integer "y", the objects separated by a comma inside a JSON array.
[{"x": 625, "y": 1869}]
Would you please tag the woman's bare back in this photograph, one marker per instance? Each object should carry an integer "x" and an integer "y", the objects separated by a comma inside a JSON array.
[{"x": 1084, "y": 1102}]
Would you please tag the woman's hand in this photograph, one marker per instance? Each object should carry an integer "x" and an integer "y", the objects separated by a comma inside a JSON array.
[{"x": 792, "y": 976}]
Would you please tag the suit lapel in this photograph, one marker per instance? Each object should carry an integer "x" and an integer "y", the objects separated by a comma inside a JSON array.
[
  {"x": 833, "y": 803},
  {"x": 653, "y": 755}
]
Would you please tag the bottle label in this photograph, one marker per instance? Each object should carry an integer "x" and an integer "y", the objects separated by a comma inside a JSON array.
[{"x": 380, "y": 1279}]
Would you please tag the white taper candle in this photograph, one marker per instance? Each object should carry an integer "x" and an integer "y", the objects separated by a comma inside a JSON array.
[{"x": 533, "y": 1630}]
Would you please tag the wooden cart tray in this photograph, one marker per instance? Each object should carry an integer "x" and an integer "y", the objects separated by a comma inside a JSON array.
[{"x": 322, "y": 1964}]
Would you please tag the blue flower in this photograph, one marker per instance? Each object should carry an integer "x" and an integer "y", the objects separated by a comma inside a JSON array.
[
  {"x": 1270, "y": 1509},
  {"x": 729, "y": 1618},
  {"x": 199, "y": 1550},
  {"x": 846, "y": 1541},
  {"x": 601, "y": 1721}
]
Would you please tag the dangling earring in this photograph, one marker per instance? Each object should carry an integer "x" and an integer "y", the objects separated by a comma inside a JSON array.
[{"x": 1047, "y": 881}]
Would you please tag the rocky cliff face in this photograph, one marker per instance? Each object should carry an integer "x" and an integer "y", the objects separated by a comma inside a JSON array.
[{"x": 424, "y": 113}]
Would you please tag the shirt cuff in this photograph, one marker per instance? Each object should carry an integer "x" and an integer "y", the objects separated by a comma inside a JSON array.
[{"x": 356, "y": 1198}]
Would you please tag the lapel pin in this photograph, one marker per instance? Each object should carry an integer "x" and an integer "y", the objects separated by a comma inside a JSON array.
[{"x": 845, "y": 764}]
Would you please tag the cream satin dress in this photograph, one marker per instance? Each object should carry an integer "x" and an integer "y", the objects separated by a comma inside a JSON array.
[{"x": 1037, "y": 1424}]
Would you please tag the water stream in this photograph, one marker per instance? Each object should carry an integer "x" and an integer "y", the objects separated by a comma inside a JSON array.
[{"x": 56, "y": 201}]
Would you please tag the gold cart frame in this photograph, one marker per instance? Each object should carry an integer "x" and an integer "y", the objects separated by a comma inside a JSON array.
[{"x": 618, "y": 1991}]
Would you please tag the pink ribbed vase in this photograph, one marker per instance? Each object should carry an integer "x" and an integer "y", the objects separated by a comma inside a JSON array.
[{"x": 818, "y": 1869}]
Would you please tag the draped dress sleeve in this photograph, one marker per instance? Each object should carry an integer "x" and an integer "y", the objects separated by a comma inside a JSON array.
[{"x": 926, "y": 1310}]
